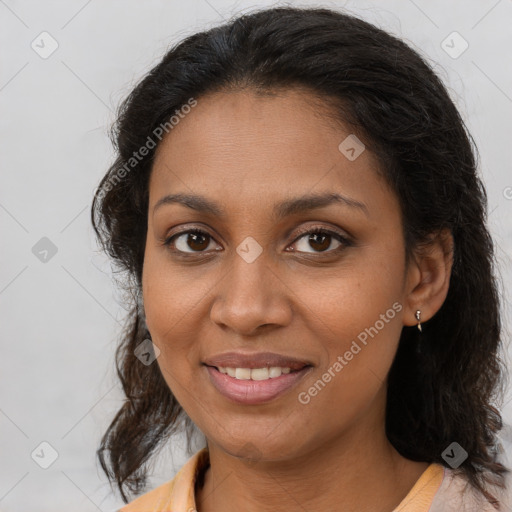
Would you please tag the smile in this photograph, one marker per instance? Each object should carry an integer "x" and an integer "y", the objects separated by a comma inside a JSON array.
[
  {"x": 255, "y": 373},
  {"x": 257, "y": 385}
]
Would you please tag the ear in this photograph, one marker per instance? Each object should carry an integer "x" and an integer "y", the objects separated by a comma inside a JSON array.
[{"x": 428, "y": 277}]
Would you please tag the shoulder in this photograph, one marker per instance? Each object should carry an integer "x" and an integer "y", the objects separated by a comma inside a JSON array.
[
  {"x": 176, "y": 494},
  {"x": 441, "y": 489},
  {"x": 456, "y": 494}
]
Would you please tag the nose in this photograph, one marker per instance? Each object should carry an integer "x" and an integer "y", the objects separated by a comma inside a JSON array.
[{"x": 252, "y": 297}]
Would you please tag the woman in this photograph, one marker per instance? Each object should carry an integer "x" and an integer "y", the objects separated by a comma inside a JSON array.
[{"x": 296, "y": 205}]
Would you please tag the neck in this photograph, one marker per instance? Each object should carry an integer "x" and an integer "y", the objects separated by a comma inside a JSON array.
[{"x": 355, "y": 472}]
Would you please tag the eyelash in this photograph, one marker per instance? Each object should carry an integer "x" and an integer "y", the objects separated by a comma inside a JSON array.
[{"x": 345, "y": 242}]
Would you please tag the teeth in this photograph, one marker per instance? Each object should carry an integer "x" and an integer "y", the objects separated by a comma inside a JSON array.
[
  {"x": 275, "y": 371},
  {"x": 243, "y": 374},
  {"x": 259, "y": 374},
  {"x": 255, "y": 373}
]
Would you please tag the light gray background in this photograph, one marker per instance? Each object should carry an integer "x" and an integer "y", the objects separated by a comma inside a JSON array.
[{"x": 59, "y": 319}]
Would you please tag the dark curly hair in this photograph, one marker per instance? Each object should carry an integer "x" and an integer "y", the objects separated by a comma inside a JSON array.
[{"x": 442, "y": 384}]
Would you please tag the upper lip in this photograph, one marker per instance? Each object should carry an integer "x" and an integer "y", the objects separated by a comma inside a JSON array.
[{"x": 255, "y": 360}]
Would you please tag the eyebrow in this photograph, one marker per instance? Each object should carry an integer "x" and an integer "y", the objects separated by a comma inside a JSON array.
[{"x": 283, "y": 209}]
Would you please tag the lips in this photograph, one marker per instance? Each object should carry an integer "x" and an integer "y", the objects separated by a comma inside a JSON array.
[
  {"x": 252, "y": 379},
  {"x": 255, "y": 360},
  {"x": 255, "y": 392}
]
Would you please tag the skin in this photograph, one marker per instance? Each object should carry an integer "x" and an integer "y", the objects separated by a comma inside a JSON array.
[{"x": 246, "y": 152}]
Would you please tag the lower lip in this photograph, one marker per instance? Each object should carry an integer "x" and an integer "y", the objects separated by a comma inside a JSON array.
[{"x": 253, "y": 392}]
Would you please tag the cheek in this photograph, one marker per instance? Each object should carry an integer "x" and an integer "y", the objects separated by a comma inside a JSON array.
[
  {"x": 357, "y": 313},
  {"x": 166, "y": 304},
  {"x": 171, "y": 295},
  {"x": 175, "y": 302},
  {"x": 359, "y": 350},
  {"x": 351, "y": 298},
  {"x": 167, "y": 309}
]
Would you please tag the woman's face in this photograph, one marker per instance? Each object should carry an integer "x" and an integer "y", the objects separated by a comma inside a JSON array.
[{"x": 252, "y": 291}]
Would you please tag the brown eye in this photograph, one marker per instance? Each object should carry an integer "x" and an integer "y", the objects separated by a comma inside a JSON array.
[
  {"x": 190, "y": 241},
  {"x": 320, "y": 240}
]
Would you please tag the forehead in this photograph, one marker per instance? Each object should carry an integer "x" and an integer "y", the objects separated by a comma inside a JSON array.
[
  {"x": 238, "y": 145},
  {"x": 234, "y": 118}
]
